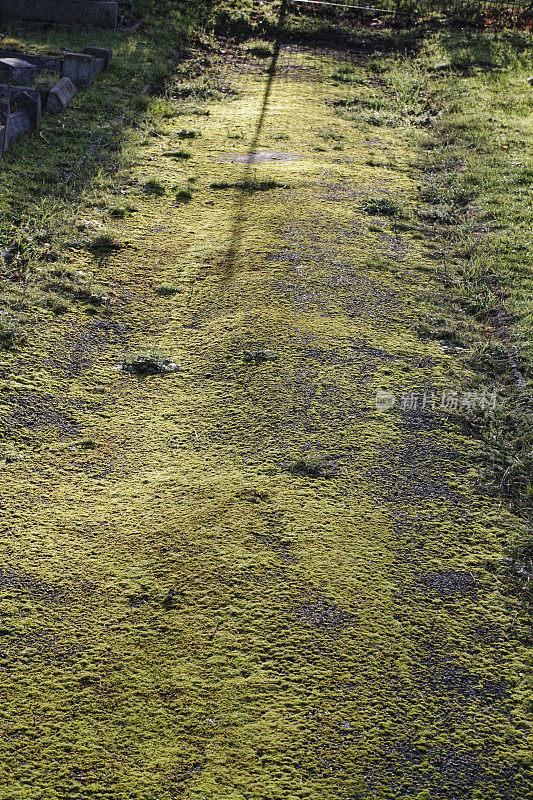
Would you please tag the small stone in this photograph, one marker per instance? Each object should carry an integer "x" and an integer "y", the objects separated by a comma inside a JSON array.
[
  {"x": 530, "y": 80},
  {"x": 60, "y": 96}
]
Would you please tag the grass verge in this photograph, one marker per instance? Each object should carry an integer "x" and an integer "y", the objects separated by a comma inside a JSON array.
[
  {"x": 51, "y": 182},
  {"x": 477, "y": 170}
]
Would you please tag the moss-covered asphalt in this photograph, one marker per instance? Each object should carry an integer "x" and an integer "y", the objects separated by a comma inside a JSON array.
[{"x": 245, "y": 580}]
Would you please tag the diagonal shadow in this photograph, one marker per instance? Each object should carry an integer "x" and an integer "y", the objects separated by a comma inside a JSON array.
[{"x": 242, "y": 194}]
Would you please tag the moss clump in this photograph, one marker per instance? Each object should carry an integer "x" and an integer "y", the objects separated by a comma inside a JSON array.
[
  {"x": 185, "y": 133},
  {"x": 11, "y": 333},
  {"x": 259, "y": 356},
  {"x": 167, "y": 290},
  {"x": 314, "y": 467},
  {"x": 104, "y": 242},
  {"x": 248, "y": 185},
  {"x": 184, "y": 195},
  {"x": 149, "y": 364},
  {"x": 154, "y": 186},
  {"x": 381, "y": 206}
]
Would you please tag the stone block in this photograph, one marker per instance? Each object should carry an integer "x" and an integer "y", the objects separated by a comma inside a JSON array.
[
  {"x": 17, "y": 71},
  {"x": 8, "y": 92},
  {"x": 99, "y": 66},
  {"x": 103, "y": 13},
  {"x": 48, "y": 63},
  {"x": 2, "y": 139},
  {"x": 18, "y": 124},
  {"x": 30, "y": 102},
  {"x": 100, "y": 52},
  {"x": 60, "y": 96},
  {"x": 81, "y": 68},
  {"x": 5, "y": 112},
  {"x": 23, "y": 98}
]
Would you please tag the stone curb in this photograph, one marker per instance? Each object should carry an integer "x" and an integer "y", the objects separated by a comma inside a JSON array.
[
  {"x": 102, "y": 14},
  {"x": 60, "y": 96}
]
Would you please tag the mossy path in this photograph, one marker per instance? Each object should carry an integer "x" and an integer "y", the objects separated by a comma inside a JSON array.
[{"x": 244, "y": 580}]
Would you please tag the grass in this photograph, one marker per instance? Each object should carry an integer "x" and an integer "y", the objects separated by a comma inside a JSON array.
[
  {"x": 179, "y": 155},
  {"x": 154, "y": 186},
  {"x": 344, "y": 74},
  {"x": 314, "y": 467},
  {"x": 249, "y": 184},
  {"x": 467, "y": 94},
  {"x": 329, "y": 135},
  {"x": 519, "y": 566},
  {"x": 122, "y": 210},
  {"x": 104, "y": 242},
  {"x": 259, "y": 49},
  {"x": 184, "y": 195},
  {"x": 79, "y": 155},
  {"x": 185, "y": 133},
  {"x": 167, "y": 290},
  {"x": 11, "y": 334},
  {"x": 476, "y": 166},
  {"x": 381, "y": 206},
  {"x": 259, "y": 356}
]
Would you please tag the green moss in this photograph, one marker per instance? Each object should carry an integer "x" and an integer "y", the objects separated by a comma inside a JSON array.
[{"x": 310, "y": 645}]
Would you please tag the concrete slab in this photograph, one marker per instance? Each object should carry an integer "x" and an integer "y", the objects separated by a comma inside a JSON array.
[
  {"x": 18, "y": 100},
  {"x": 15, "y": 70},
  {"x": 5, "y": 111},
  {"x": 60, "y": 96},
  {"x": 23, "y": 98},
  {"x": 99, "y": 66},
  {"x": 78, "y": 12}
]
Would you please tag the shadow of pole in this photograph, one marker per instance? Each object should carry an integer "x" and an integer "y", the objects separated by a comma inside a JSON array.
[{"x": 242, "y": 191}]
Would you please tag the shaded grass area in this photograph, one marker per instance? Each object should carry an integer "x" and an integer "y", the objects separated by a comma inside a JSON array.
[{"x": 49, "y": 182}]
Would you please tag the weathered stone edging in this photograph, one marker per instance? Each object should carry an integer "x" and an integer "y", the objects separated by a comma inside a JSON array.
[
  {"x": 20, "y": 106},
  {"x": 81, "y": 12}
]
